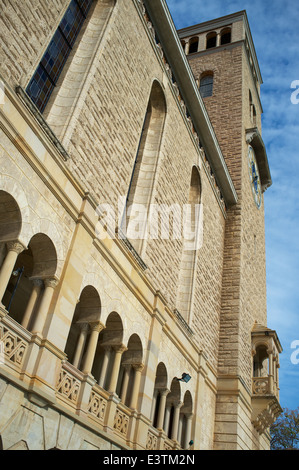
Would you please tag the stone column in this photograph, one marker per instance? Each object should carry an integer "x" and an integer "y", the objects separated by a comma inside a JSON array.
[
  {"x": 218, "y": 39},
  {"x": 154, "y": 401},
  {"x": 175, "y": 422},
  {"x": 115, "y": 369},
  {"x": 187, "y": 47},
  {"x": 103, "y": 375},
  {"x": 36, "y": 290},
  {"x": 162, "y": 404},
  {"x": 84, "y": 328},
  {"x": 270, "y": 371},
  {"x": 41, "y": 315},
  {"x": 167, "y": 417},
  {"x": 187, "y": 437},
  {"x": 14, "y": 249},
  {"x": 96, "y": 328},
  {"x": 124, "y": 387},
  {"x": 136, "y": 385}
]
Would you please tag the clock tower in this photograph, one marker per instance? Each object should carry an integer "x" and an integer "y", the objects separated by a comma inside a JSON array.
[{"x": 223, "y": 60}]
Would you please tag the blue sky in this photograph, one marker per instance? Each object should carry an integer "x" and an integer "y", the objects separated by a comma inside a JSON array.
[{"x": 275, "y": 29}]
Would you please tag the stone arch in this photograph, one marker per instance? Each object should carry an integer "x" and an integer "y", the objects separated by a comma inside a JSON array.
[
  {"x": 261, "y": 360},
  {"x": 160, "y": 389},
  {"x": 225, "y": 36},
  {"x": 87, "y": 312},
  {"x": 10, "y": 217},
  {"x": 110, "y": 342},
  {"x": 32, "y": 267},
  {"x": 185, "y": 421},
  {"x": 145, "y": 166},
  {"x": 211, "y": 40},
  {"x": 131, "y": 361},
  {"x": 193, "y": 45},
  {"x": 12, "y": 187},
  {"x": 172, "y": 403}
]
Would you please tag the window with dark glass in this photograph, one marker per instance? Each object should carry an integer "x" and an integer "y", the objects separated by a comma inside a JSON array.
[
  {"x": 46, "y": 75},
  {"x": 206, "y": 86}
]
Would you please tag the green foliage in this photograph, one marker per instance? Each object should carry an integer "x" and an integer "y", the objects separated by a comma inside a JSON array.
[{"x": 285, "y": 431}]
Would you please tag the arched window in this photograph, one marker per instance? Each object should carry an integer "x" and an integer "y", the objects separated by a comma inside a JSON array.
[
  {"x": 206, "y": 85},
  {"x": 211, "y": 40},
  {"x": 193, "y": 45},
  {"x": 192, "y": 227},
  {"x": 45, "y": 77},
  {"x": 225, "y": 36},
  {"x": 144, "y": 170}
]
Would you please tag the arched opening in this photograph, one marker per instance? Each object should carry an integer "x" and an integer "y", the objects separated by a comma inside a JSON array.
[
  {"x": 172, "y": 410},
  {"x": 25, "y": 288},
  {"x": 190, "y": 246},
  {"x": 206, "y": 85},
  {"x": 160, "y": 389},
  {"x": 225, "y": 36},
  {"x": 211, "y": 40},
  {"x": 10, "y": 221},
  {"x": 144, "y": 171},
  {"x": 131, "y": 365},
  {"x": 185, "y": 421},
  {"x": 260, "y": 362},
  {"x": 108, "y": 354},
  {"x": 193, "y": 45},
  {"x": 87, "y": 313}
]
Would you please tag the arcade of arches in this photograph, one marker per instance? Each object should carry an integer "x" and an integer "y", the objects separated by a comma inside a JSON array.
[{"x": 28, "y": 279}]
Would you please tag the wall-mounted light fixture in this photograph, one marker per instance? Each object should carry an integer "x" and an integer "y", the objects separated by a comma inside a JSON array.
[{"x": 185, "y": 377}]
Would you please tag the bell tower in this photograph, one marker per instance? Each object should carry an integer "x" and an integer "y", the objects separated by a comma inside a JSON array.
[{"x": 223, "y": 60}]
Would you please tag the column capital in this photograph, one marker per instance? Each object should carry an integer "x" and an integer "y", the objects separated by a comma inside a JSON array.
[
  {"x": 96, "y": 326},
  {"x": 16, "y": 245},
  {"x": 164, "y": 392},
  {"x": 178, "y": 404},
  {"x": 51, "y": 282},
  {"x": 119, "y": 348},
  {"x": 83, "y": 326},
  {"x": 138, "y": 366}
]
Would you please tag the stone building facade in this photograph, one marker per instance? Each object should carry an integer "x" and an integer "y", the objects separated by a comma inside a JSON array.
[{"x": 132, "y": 283}]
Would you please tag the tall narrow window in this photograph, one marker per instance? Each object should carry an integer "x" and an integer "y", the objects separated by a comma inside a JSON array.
[
  {"x": 206, "y": 85},
  {"x": 191, "y": 243},
  {"x": 143, "y": 175},
  {"x": 45, "y": 77}
]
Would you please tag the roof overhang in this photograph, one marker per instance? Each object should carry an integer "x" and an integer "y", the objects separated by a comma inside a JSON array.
[
  {"x": 167, "y": 33},
  {"x": 254, "y": 138}
]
